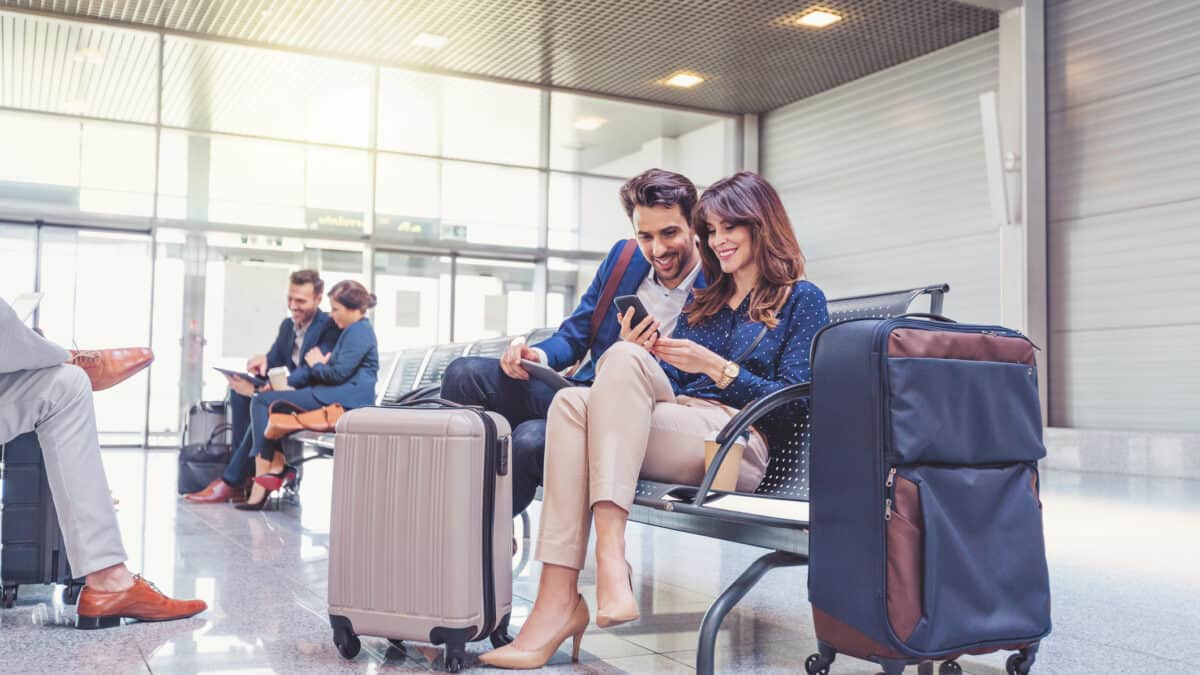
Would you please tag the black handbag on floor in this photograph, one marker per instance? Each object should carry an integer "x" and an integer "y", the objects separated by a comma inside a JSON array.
[{"x": 202, "y": 463}]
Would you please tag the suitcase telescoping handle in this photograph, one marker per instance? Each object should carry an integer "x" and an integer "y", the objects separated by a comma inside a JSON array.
[
  {"x": 432, "y": 402},
  {"x": 927, "y": 315}
]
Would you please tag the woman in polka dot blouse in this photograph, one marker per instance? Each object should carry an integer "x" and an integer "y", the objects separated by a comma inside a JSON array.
[{"x": 655, "y": 399}]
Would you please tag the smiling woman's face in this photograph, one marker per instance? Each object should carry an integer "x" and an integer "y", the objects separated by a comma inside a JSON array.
[{"x": 732, "y": 244}]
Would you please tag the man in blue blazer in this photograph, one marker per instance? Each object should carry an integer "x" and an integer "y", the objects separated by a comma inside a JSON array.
[
  {"x": 661, "y": 270},
  {"x": 307, "y": 327}
]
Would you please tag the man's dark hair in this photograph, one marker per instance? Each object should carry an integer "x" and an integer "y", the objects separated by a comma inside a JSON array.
[
  {"x": 657, "y": 187},
  {"x": 309, "y": 277}
]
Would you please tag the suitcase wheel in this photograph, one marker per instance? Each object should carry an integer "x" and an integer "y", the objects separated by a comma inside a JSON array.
[
  {"x": 949, "y": 668},
  {"x": 453, "y": 663},
  {"x": 1018, "y": 664},
  {"x": 70, "y": 594},
  {"x": 396, "y": 650},
  {"x": 10, "y": 597},
  {"x": 816, "y": 665},
  {"x": 347, "y": 646}
]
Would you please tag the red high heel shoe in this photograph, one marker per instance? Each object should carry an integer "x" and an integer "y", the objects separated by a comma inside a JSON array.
[
  {"x": 275, "y": 481},
  {"x": 270, "y": 482}
]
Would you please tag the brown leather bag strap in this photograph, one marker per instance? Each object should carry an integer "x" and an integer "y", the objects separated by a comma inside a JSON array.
[{"x": 610, "y": 289}]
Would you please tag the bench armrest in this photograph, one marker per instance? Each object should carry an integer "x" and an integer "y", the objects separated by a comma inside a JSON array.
[{"x": 741, "y": 423}]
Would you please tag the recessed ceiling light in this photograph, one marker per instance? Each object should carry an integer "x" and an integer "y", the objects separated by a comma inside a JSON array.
[
  {"x": 431, "y": 41},
  {"x": 590, "y": 123},
  {"x": 818, "y": 18},
  {"x": 684, "y": 80},
  {"x": 92, "y": 55}
]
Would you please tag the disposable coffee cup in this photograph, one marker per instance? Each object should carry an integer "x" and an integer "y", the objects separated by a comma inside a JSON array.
[
  {"x": 278, "y": 377},
  {"x": 727, "y": 475}
]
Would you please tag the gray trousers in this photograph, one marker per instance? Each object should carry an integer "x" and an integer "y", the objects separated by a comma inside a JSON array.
[{"x": 56, "y": 402}]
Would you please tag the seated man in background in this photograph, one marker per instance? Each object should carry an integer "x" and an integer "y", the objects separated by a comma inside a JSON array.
[
  {"x": 40, "y": 392},
  {"x": 306, "y": 328},
  {"x": 661, "y": 270}
]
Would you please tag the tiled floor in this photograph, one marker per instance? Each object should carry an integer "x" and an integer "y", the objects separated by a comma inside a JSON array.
[{"x": 1123, "y": 552}]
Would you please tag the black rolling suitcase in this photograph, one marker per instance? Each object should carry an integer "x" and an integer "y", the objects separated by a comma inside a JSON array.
[
  {"x": 207, "y": 446},
  {"x": 31, "y": 544}
]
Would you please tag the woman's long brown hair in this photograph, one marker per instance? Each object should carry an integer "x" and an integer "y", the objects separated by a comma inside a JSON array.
[{"x": 748, "y": 200}]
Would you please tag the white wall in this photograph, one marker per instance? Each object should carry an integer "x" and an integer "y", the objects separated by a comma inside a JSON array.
[
  {"x": 1123, "y": 130},
  {"x": 885, "y": 182}
]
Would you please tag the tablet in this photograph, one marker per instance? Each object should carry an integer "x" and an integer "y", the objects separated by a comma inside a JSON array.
[
  {"x": 253, "y": 379},
  {"x": 546, "y": 375}
]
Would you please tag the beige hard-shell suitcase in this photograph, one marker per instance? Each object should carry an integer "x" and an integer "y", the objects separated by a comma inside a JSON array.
[{"x": 421, "y": 529}]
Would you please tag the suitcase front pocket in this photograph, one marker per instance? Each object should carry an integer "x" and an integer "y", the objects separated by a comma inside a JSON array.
[
  {"x": 966, "y": 561},
  {"x": 948, "y": 411}
]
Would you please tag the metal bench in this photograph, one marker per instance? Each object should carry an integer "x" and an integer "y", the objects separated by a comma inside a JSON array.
[{"x": 774, "y": 517}]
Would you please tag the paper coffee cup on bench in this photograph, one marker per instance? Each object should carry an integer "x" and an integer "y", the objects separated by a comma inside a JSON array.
[{"x": 727, "y": 475}]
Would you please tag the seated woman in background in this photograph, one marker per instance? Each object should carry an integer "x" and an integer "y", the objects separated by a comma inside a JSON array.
[
  {"x": 643, "y": 417},
  {"x": 347, "y": 375}
]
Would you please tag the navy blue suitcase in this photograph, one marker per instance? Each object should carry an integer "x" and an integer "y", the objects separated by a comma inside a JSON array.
[
  {"x": 926, "y": 539},
  {"x": 31, "y": 544}
]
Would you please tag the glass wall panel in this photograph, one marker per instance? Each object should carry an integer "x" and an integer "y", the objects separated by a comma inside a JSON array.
[
  {"x": 568, "y": 280},
  {"x": 246, "y": 90},
  {"x": 586, "y": 213},
  {"x": 414, "y": 301},
  {"x": 490, "y": 205},
  {"x": 493, "y": 298},
  {"x": 59, "y": 165},
  {"x": 75, "y": 68},
  {"x": 166, "y": 404},
  {"x": 460, "y": 118},
  {"x": 97, "y": 287},
  {"x": 228, "y": 179},
  {"x": 17, "y": 260},
  {"x": 616, "y": 138},
  {"x": 421, "y": 199}
]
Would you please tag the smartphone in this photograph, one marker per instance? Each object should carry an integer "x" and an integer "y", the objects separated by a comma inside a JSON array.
[{"x": 624, "y": 302}]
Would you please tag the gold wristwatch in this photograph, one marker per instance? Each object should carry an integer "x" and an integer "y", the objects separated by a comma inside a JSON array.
[{"x": 728, "y": 374}]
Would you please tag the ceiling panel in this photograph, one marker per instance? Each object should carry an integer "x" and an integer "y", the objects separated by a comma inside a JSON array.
[{"x": 752, "y": 54}]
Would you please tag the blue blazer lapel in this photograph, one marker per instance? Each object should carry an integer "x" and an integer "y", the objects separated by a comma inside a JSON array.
[{"x": 313, "y": 334}]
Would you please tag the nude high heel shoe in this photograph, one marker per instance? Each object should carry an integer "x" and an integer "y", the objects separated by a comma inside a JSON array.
[
  {"x": 606, "y": 618},
  {"x": 512, "y": 658}
]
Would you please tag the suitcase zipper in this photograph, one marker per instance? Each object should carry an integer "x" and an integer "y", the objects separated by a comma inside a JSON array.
[{"x": 489, "y": 518}]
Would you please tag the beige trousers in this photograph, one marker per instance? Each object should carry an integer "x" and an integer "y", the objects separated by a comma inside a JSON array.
[{"x": 599, "y": 440}]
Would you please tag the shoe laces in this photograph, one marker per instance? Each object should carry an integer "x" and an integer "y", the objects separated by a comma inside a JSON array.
[
  {"x": 90, "y": 356},
  {"x": 144, "y": 580}
]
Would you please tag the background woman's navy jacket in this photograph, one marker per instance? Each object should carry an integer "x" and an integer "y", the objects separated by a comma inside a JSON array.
[
  {"x": 350, "y": 376},
  {"x": 322, "y": 332}
]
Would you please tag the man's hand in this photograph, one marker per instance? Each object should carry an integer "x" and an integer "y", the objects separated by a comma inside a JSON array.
[
  {"x": 315, "y": 356},
  {"x": 643, "y": 333},
  {"x": 243, "y": 387},
  {"x": 510, "y": 363},
  {"x": 257, "y": 365},
  {"x": 689, "y": 357}
]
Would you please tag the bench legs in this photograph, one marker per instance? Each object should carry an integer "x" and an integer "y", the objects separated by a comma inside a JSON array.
[{"x": 732, "y": 595}]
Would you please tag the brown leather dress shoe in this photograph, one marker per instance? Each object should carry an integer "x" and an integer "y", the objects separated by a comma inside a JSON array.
[
  {"x": 107, "y": 367},
  {"x": 142, "y": 602},
  {"x": 217, "y": 492}
]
